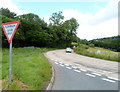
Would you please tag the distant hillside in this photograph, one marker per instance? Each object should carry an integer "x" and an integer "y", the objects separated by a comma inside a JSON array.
[
  {"x": 112, "y": 43},
  {"x": 108, "y": 38}
]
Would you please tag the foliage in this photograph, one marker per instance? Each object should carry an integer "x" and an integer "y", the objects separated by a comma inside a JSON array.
[
  {"x": 56, "y": 19},
  {"x": 33, "y": 31},
  {"x": 112, "y": 43},
  {"x": 29, "y": 67},
  {"x": 74, "y": 44},
  {"x": 6, "y": 12},
  {"x": 91, "y": 45},
  {"x": 92, "y": 52}
]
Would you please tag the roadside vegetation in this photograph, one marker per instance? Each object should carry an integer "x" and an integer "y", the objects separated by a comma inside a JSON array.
[
  {"x": 34, "y": 31},
  {"x": 97, "y": 52},
  {"x": 31, "y": 70},
  {"x": 112, "y": 43}
]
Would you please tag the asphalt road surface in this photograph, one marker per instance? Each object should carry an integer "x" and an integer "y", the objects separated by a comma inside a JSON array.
[{"x": 76, "y": 72}]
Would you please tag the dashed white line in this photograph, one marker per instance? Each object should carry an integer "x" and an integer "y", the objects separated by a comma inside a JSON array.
[
  {"x": 74, "y": 67},
  {"x": 96, "y": 74},
  {"x": 61, "y": 65},
  {"x": 68, "y": 68},
  {"x": 90, "y": 75},
  {"x": 77, "y": 71},
  {"x": 113, "y": 78},
  {"x": 60, "y": 62},
  {"x": 67, "y": 64},
  {"x": 108, "y": 80},
  {"x": 56, "y": 62},
  {"x": 83, "y": 70}
]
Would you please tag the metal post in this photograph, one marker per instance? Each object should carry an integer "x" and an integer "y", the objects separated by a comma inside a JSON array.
[{"x": 10, "y": 67}]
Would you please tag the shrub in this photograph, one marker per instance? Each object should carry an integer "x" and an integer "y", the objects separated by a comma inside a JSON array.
[
  {"x": 91, "y": 45},
  {"x": 86, "y": 47}
]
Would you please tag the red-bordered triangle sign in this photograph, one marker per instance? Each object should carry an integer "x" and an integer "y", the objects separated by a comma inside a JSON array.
[{"x": 10, "y": 29}]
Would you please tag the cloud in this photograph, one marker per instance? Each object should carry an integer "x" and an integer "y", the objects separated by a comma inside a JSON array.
[
  {"x": 11, "y": 6},
  {"x": 46, "y": 19},
  {"x": 105, "y": 29},
  {"x": 106, "y": 13},
  {"x": 103, "y": 23}
]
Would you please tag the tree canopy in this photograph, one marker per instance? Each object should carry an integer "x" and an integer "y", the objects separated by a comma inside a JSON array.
[{"x": 34, "y": 31}]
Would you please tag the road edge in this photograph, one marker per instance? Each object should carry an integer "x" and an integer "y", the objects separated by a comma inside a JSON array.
[{"x": 50, "y": 85}]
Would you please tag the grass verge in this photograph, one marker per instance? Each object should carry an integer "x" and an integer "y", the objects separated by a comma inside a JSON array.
[
  {"x": 30, "y": 68},
  {"x": 92, "y": 52}
]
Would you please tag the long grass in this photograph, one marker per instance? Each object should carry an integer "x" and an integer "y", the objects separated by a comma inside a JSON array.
[
  {"x": 93, "y": 52},
  {"x": 0, "y": 63},
  {"x": 30, "y": 68}
]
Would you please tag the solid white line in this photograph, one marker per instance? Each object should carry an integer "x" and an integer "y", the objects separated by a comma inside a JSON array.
[
  {"x": 96, "y": 74},
  {"x": 108, "y": 80},
  {"x": 77, "y": 71},
  {"x": 56, "y": 63},
  {"x": 68, "y": 67},
  {"x": 90, "y": 75},
  {"x": 113, "y": 78},
  {"x": 61, "y": 65},
  {"x": 83, "y": 70}
]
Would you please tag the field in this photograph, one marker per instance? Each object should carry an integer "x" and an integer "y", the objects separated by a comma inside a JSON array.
[
  {"x": 31, "y": 70},
  {"x": 93, "y": 52}
]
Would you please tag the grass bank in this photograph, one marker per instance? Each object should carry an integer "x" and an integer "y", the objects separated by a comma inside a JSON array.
[
  {"x": 93, "y": 52},
  {"x": 31, "y": 70}
]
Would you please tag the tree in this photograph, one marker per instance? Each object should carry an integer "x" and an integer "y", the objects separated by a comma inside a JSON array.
[
  {"x": 70, "y": 27},
  {"x": 34, "y": 31},
  {"x": 6, "y": 12},
  {"x": 56, "y": 19}
]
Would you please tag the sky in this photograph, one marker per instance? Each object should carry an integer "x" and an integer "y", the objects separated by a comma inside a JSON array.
[{"x": 97, "y": 18}]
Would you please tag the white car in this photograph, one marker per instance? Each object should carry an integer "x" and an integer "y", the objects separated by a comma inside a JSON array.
[{"x": 68, "y": 50}]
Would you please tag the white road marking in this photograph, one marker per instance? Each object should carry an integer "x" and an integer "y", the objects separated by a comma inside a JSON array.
[
  {"x": 61, "y": 65},
  {"x": 52, "y": 59},
  {"x": 56, "y": 62},
  {"x": 83, "y": 70},
  {"x": 77, "y": 71},
  {"x": 67, "y": 64},
  {"x": 108, "y": 80},
  {"x": 113, "y": 78},
  {"x": 68, "y": 68},
  {"x": 74, "y": 67},
  {"x": 96, "y": 74},
  {"x": 60, "y": 62},
  {"x": 90, "y": 75}
]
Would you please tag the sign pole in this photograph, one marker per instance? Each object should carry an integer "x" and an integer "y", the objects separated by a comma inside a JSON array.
[
  {"x": 9, "y": 30},
  {"x": 10, "y": 65}
]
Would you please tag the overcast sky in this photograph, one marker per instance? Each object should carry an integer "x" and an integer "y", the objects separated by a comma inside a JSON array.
[{"x": 97, "y": 18}]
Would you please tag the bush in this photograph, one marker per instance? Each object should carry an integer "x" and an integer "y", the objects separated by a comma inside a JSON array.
[
  {"x": 91, "y": 45},
  {"x": 86, "y": 47}
]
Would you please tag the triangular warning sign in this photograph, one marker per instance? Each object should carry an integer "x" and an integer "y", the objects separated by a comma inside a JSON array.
[{"x": 10, "y": 29}]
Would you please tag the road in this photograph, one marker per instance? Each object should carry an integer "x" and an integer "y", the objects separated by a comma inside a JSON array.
[{"x": 77, "y": 72}]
